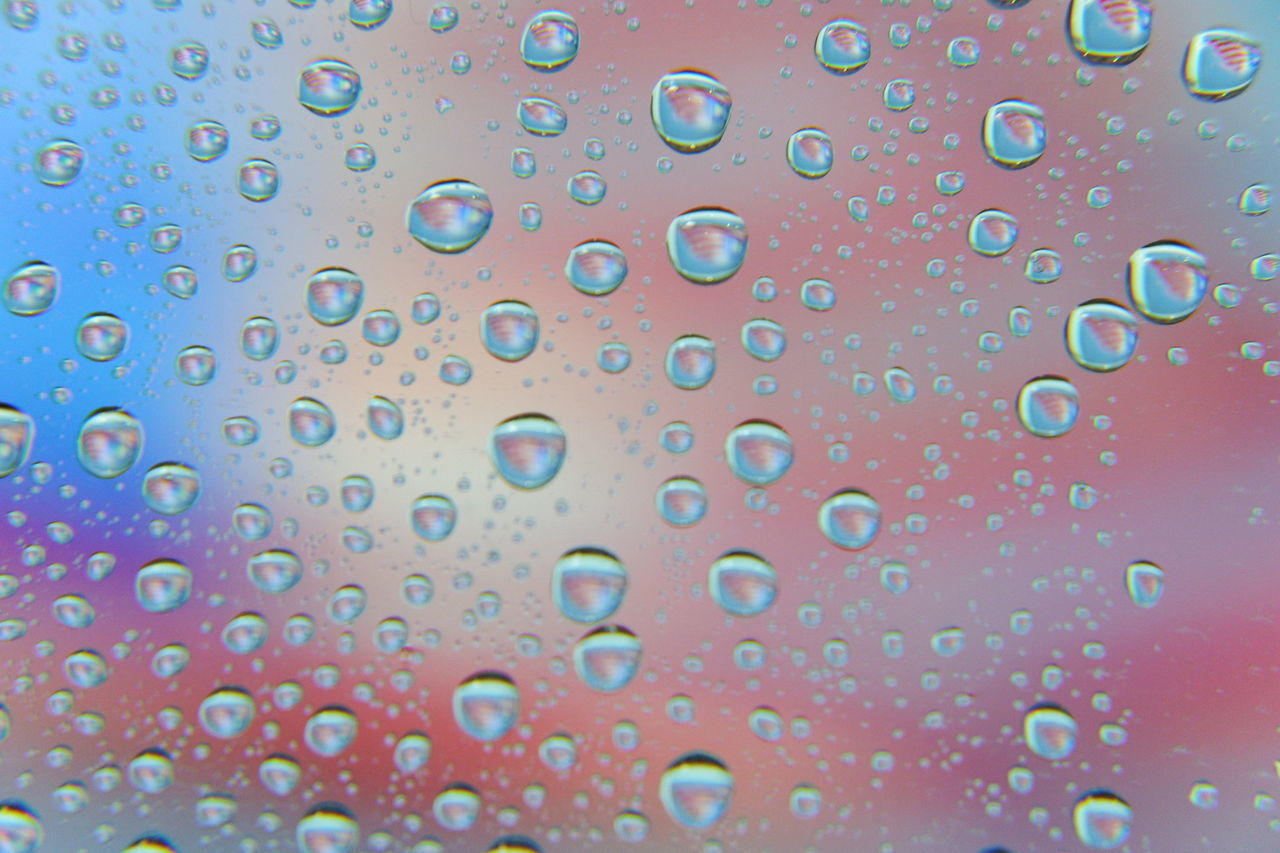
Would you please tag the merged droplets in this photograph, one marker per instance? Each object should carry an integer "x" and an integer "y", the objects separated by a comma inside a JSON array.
[
  {"x": 1050, "y": 732},
  {"x": 992, "y": 232},
  {"x": 450, "y": 216},
  {"x": 1220, "y": 64},
  {"x": 58, "y": 162},
  {"x": 607, "y": 658},
  {"x": 334, "y": 295},
  {"x": 1101, "y": 335},
  {"x": 1145, "y": 582},
  {"x": 696, "y": 790},
  {"x": 328, "y": 87},
  {"x": 527, "y": 450},
  {"x": 842, "y": 47},
  {"x": 509, "y": 330},
  {"x": 588, "y": 584},
  {"x": 1048, "y": 406},
  {"x": 311, "y": 423},
  {"x": 17, "y": 432},
  {"x": 850, "y": 519},
  {"x": 274, "y": 571},
  {"x": 227, "y": 712},
  {"x": 681, "y": 501},
  {"x": 596, "y": 267},
  {"x": 433, "y": 517},
  {"x": 1013, "y": 133},
  {"x": 31, "y": 289},
  {"x": 1102, "y": 820},
  {"x": 1167, "y": 281},
  {"x": 691, "y": 362},
  {"x": 742, "y": 583},
  {"x": 486, "y": 705},
  {"x": 162, "y": 585},
  {"x": 707, "y": 245},
  {"x": 171, "y": 488},
  {"x": 109, "y": 443},
  {"x": 690, "y": 110},
  {"x": 101, "y": 337},
  {"x": 330, "y": 730},
  {"x": 1109, "y": 31},
  {"x": 758, "y": 452},
  {"x": 328, "y": 828},
  {"x": 809, "y": 153},
  {"x": 549, "y": 41}
]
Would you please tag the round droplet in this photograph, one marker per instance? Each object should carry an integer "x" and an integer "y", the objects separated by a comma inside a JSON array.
[
  {"x": 1145, "y": 582},
  {"x": 486, "y": 705},
  {"x": 1113, "y": 32},
  {"x": 360, "y": 157},
  {"x": 73, "y": 611},
  {"x": 151, "y": 771},
  {"x": 171, "y": 488},
  {"x": 196, "y": 365},
  {"x": 457, "y": 807},
  {"x": 207, "y": 140},
  {"x": 806, "y": 801},
  {"x": 433, "y": 517},
  {"x": 227, "y": 712},
  {"x": 101, "y": 337},
  {"x": 109, "y": 443},
  {"x": 758, "y": 452},
  {"x": 558, "y": 752},
  {"x": 330, "y": 730},
  {"x": 328, "y": 828},
  {"x": 1167, "y": 281},
  {"x": 1101, "y": 335},
  {"x": 334, "y": 295},
  {"x": 992, "y": 232},
  {"x": 527, "y": 450},
  {"x": 691, "y": 362},
  {"x": 766, "y": 724},
  {"x": 707, "y": 245},
  {"x": 613, "y": 357},
  {"x": 426, "y": 308},
  {"x": 607, "y": 658},
  {"x": 259, "y": 337},
  {"x": 1255, "y": 200},
  {"x": 695, "y": 790},
  {"x": 850, "y": 519},
  {"x": 1050, "y": 732},
  {"x": 809, "y": 153},
  {"x": 259, "y": 180},
  {"x": 588, "y": 584},
  {"x": 85, "y": 669},
  {"x": 162, "y": 585},
  {"x": 690, "y": 110},
  {"x": 412, "y": 752},
  {"x": 1013, "y": 134},
  {"x": 681, "y": 501},
  {"x": 31, "y": 289},
  {"x": 274, "y": 571},
  {"x": 587, "y": 187},
  {"x": 541, "y": 116},
  {"x": 239, "y": 263},
  {"x": 549, "y": 41},
  {"x": 240, "y": 431},
  {"x": 17, "y": 432},
  {"x": 189, "y": 60},
  {"x": 386, "y": 419},
  {"x": 455, "y": 370},
  {"x": 764, "y": 339},
  {"x": 58, "y": 162},
  {"x": 1102, "y": 820},
  {"x": 842, "y": 47},
  {"x": 509, "y": 330},
  {"x": 450, "y": 216},
  {"x": 818, "y": 294},
  {"x": 369, "y": 14},
  {"x": 1220, "y": 64},
  {"x": 280, "y": 774},
  {"x": 328, "y": 87},
  {"x": 742, "y": 583},
  {"x": 311, "y": 422},
  {"x": 245, "y": 633},
  {"x": 1048, "y": 406},
  {"x": 596, "y": 267},
  {"x": 1044, "y": 266},
  {"x": 676, "y": 437}
]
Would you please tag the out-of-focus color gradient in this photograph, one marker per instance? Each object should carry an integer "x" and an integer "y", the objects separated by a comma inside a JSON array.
[{"x": 912, "y": 739}]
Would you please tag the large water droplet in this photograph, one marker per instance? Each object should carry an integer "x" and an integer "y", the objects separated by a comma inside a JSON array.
[
  {"x": 259, "y": 180},
  {"x": 279, "y": 774},
  {"x": 486, "y": 705},
  {"x": 742, "y": 583},
  {"x": 109, "y": 443},
  {"x": 607, "y": 658},
  {"x": 509, "y": 330},
  {"x": 809, "y": 153},
  {"x": 58, "y": 162},
  {"x": 171, "y": 488},
  {"x": 311, "y": 422},
  {"x": 842, "y": 46},
  {"x": 457, "y": 807},
  {"x": 162, "y": 585},
  {"x": 691, "y": 362},
  {"x": 1101, "y": 335},
  {"x": 681, "y": 501},
  {"x": 1048, "y": 406},
  {"x": 696, "y": 789},
  {"x": 690, "y": 110},
  {"x": 707, "y": 245},
  {"x": 758, "y": 452},
  {"x": 1050, "y": 732},
  {"x": 1145, "y": 582},
  {"x": 1102, "y": 820},
  {"x": 412, "y": 752},
  {"x": 369, "y": 14},
  {"x": 850, "y": 519},
  {"x": 1220, "y": 64},
  {"x": 450, "y": 216},
  {"x": 527, "y": 450},
  {"x": 274, "y": 571},
  {"x": 385, "y": 418},
  {"x": 541, "y": 116},
  {"x": 31, "y": 289},
  {"x": 1167, "y": 281},
  {"x": 550, "y": 41},
  {"x": 1109, "y": 31},
  {"x": 101, "y": 337},
  {"x": 328, "y": 87},
  {"x": 433, "y": 517},
  {"x": 17, "y": 432},
  {"x": 334, "y": 295},
  {"x": 596, "y": 267},
  {"x": 331, "y": 730},
  {"x": 588, "y": 584},
  {"x": 227, "y": 712},
  {"x": 1013, "y": 133},
  {"x": 992, "y": 232},
  {"x": 328, "y": 828}
]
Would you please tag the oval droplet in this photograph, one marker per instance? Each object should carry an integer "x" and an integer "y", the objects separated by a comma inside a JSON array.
[
  {"x": 330, "y": 730},
  {"x": 328, "y": 87},
  {"x": 1101, "y": 335},
  {"x": 274, "y": 571},
  {"x": 109, "y": 443},
  {"x": 328, "y": 828},
  {"x": 162, "y": 585},
  {"x": 1013, "y": 134},
  {"x": 1050, "y": 732},
  {"x": 809, "y": 153},
  {"x": 31, "y": 289},
  {"x": 850, "y": 519},
  {"x": 1220, "y": 64},
  {"x": 596, "y": 267},
  {"x": 311, "y": 422},
  {"x": 101, "y": 337},
  {"x": 1145, "y": 582},
  {"x": 334, "y": 295},
  {"x": 588, "y": 584},
  {"x": 690, "y": 110},
  {"x": 58, "y": 162},
  {"x": 541, "y": 116},
  {"x": 549, "y": 41},
  {"x": 842, "y": 47},
  {"x": 607, "y": 658},
  {"x": 758, "y": 452},
  {"x": 707, "y": 245},
  {"x": 992, "y": 232},
  {"x": 742, "y": 583},
  {"x": 509, "y": 330},
  {"x": 450, "y": 216},
  {"x": 171, "y": 488},
  {"x": 227, "y": 712},
  {"x": 691, "y": 362},
  {"x": 1167, "y": 281},
  {"x": 527, "y": 450},
  {"x": 1113, "y": 32},
  {"x": 681, "y": 501},
  {"x": 696, "y": 790},
  {"x": 764, "y": 339},
  {"x": 1102, "y": 820},
  {"x": 433, "y": 517},
  {"x": 486, "y": 705},
  {"x": 1048, "y": 406},
  {"x": 17, "y": 433}
]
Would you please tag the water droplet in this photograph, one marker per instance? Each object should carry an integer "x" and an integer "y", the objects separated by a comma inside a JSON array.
[
  {"x": 171, "y": 488},
  {"x": 239, "y": 263},
  {"x": 457, "y": 807},
  {"x": 550, "y": 41},
  {"x": 227, "y": 712},
  {"x": 527, "y": 450},
  {"x": 109, "y": 443},
  {"x": 681, "y": 501},
  {"x": 328, "y": 87},
  {"x": 809, "y": 153},
  {"x": 240, "y": 431},
  {"x": 311, "y": 422},
  {"x": 73, "y": 611},
  {"x": 189, "y": 60},
  {"x": 613, "y": 357},
  {"x": 588, "y": 584},
  {"x": 696, "y": 789},
  {"x": 1220, "y": 64},
  {"x": 1102, "y": 820},
  {"x": 162, "y": 585},
  {"x": 101, "y": 337},
  {"x": 1145, "y": 582},
  {"x": 596, "y": 267},
  {"x": 433, "y": 517},
  {"x": 850, "y": 519},
  {"x": 274, "y": 571},
  {"x": 328, "y": 828},
  {"x": 1109, "y": 31},
  {"x": 509, "y": 330},
  {"x": 1048, "y": 406},
  {"x": 842, "y": 47},
  {"x": 607, "y": 658},
  {"x": 259, "y": 180},
  {"x": 818, "y": 294},
  {"x": 1167, "y": 281},
  {"x": 280, "y": 774},
  {"x": 900, "y": 384},
  {"x": 1101, "y": 335},
  {"x": 455, "y": 370},
  {"x": 1044, "y": 266},
  {"x": 690, "y": 110},
  {"x": 587, "y": 187},
  {"x": 758, "y": 452},
  {"x": 444, "y": 17},
  {"x": 245, "y": 633},
  {"x": 17, "y": 432},
  {"x": 58, "y": 162},
  {"x": 259, "y": 337},
  {"x": 964, "y": 52},
  {"x": 196, "y": 365},
  {"x": 541, "y": 116},
  {"x": 385, "y": 418},
  {"x": 207, "y": 140},
  {"x": 412, "y": 752},
  {"x": 486, "y": 705},
  {"x": 764, "y": 339},
  {"x": 151, "y": 771},
  {"x": 558, "y": 752},
  {"x": 31, "y": 289},
  {"x": 806, "y": 801},
  {"x": 707, "y": 245},
  {"x": 992, "y": 232},
  {"x": 330, "y": 730},
  {"x": 1050, "y": 732},
  {"x": 1203, "y": 795},
  {"x": 334, "y": 295},
  {"x": 85, "y": 669},
  {"x": 691, "y": 362},
  {"x": 1013, "y": 133},
  {"x": 369, "y": 14},
  {"x": 742, "y": 583},
  {"x": 450, "y": 216}
]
